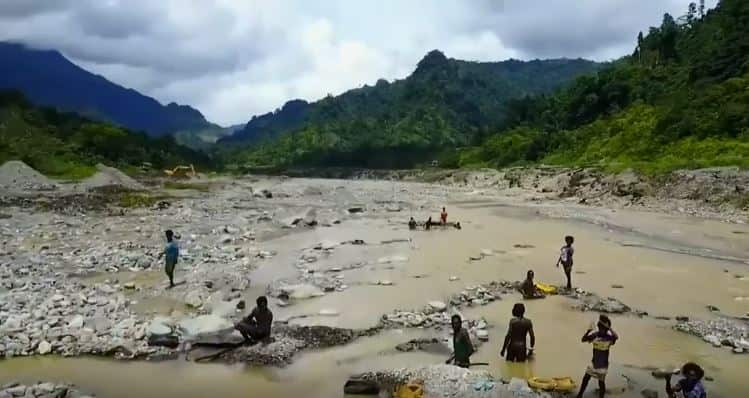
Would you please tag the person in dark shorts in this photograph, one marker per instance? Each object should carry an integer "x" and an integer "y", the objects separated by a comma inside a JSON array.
[
  {"x": 690, "y": 386},
  {"x": 256, "y": 326},
  {"x": 462, "y": 347},
  {"x": 412, "y": 224},
  {"x": 428, "y": 224},
  {"x": 602, "y": 340},
  {"x": 528, "y": 287},
  {"x": 515, "y": 340},
  {"x": 565, "y": 258},
  {"x": 171, "y": 254}
]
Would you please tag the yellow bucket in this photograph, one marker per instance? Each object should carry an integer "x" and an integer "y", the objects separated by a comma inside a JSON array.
[{"x": 413, "y": 389}]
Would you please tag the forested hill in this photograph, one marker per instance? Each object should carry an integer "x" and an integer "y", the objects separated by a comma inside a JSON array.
[
  {"x": 680, "y": 100},
  {"x": 47, "y": 78},
  {"x": 445, "y": 103},
  {"x": 67, "y": 145}
]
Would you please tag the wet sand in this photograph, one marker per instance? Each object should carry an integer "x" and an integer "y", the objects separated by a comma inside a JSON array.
[{"x": 660, "y": 282}]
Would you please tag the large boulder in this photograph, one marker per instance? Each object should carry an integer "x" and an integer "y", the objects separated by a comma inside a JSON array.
[{"x": 204, "y": 324}]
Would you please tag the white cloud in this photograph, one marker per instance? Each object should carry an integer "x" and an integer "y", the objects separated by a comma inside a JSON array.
[{"x": 235, "y": 58}]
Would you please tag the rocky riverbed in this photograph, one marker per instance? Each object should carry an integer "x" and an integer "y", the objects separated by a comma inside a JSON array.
[{"x": 81, "y": 274}]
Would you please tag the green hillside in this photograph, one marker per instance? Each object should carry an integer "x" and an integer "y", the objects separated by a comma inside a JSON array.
[
  {"x": 445, "y": 103},
  {"x": 681, "y": 100},
  {"x": 66, "y": 145}
]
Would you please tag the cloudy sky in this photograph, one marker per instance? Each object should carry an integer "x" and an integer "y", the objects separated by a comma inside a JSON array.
[{"x": 232, "y": 59}]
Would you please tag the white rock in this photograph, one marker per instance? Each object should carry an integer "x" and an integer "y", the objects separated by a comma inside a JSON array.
[
  {"x": 158, "y": 326},
  {"x": 454, "y": 278},
  {"x": 328, "y": 312},
  {"x": 204, "y": 324},
  {"x": 483, "y": 335},
  {"x": 712, "y": 339},
  {"x": 58, "y": 297},
  {"x": 129, "y": 285},
  {"x": 328, "y": 245},
  {"x": 302, "y": 291},
  {"x": 438, "y": 305},
  {"x": 44, "y": 348},
  {"x": 487, "y": 252},
  {"x": 385, "y": 283},
  {"x": 76, "y": 322},
  {"x": 194, "y": 299}
]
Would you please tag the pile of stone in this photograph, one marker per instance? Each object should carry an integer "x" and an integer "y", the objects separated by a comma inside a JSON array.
[
  {"x": 606, "y": 305},
  {"x": 438, "y": 314},
  {"x": 72, "y": 320},
  {"x": 17, "y": 176},
  {"x": 110, "y": 177},
  {"x": 720, "y": 332},
  {"x": 40, "y": 390},
  {"x": 449, "y": 381},
  {"x": 482, "y": 294},
  {"x": 288, "y": 340}
]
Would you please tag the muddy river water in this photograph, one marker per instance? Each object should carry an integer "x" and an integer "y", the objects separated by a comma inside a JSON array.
[{"x": 667, "y": 266}]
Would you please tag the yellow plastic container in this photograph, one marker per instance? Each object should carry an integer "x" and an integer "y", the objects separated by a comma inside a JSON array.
[
  {"x": 559, "y": 384},
  {"x": 410, "y": 390},
  {"x": 546, "y": 289},
  {"x": 542, "y": 384},
  {"x": 564, "y": 384}
]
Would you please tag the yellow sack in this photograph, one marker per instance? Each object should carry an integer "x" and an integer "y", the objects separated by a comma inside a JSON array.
[
  {"x": 546, "y": 289},
  {"x": 414, "y": 389}
]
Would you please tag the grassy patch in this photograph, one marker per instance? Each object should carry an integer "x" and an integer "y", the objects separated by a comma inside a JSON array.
[{"x": 136, "y": 199}]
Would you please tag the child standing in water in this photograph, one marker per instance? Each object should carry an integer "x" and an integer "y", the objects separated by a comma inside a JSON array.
[
  {"x": 602, "y": 340},
  {"x": 565, "y": 258}
]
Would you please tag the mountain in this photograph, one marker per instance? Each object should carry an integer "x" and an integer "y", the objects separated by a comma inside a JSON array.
[
  {"x": 444, "y": 103},
  {"x": 203, "y": 139},
  {"x": 291, "y": 115},
  {"x": 47, "y": 78},
  {"x": 67, "y": 145},
  {"x": 679, "y": 100}
]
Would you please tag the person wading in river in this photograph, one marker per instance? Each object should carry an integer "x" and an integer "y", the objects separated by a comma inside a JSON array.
[
  {"x": 412, "y": 224},
  {"x": 565, "y": 258},
  {"x": 443, "y": 216},
  {"x": 256, "y": 326},
  {"x": 515, "y": 340},
  {"x": 528, "y": 288},
  {"x": 171, "y": 253},
  {"x": 602, "y": 340},
  {"x": 462, "y": 347},
  {"x": 690, "y": 386}
]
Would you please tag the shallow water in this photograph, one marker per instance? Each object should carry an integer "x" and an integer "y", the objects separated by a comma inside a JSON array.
[{"x": 657, "y": 281}]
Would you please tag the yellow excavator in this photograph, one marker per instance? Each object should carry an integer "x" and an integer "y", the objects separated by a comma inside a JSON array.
[{"x": 181, "y": 172}]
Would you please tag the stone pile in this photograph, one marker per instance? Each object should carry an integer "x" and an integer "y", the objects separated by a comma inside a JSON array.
[
  {"x": 720, "y": 332},
  {"x": 40, "y": 390},
  {"x": 72, "y": 319},
  {"x": 287, "y": 340},
  {"x": 450, "y": 381}
]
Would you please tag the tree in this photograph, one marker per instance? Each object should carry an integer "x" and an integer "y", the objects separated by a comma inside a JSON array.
[
  {"x": 669, "y": 31},
  {"x": 638, "y": 50},
  {"x": 692, "y": 13},
  {"x": 702, "y": 9}
]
